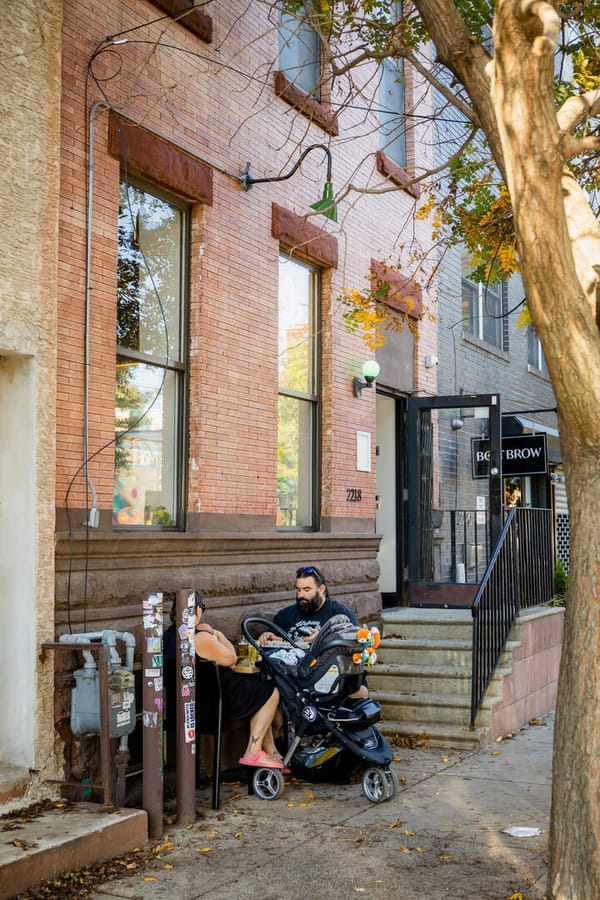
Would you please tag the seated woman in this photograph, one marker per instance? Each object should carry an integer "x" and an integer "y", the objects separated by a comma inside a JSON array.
[{"x": 243, "y": 696}]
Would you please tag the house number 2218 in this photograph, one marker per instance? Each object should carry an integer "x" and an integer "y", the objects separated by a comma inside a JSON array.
[{"x": 353, "y": 495}]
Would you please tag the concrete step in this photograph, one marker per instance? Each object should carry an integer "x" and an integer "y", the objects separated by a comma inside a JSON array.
[
  {"x": 424, "y": 708},
  {"x": 421, "y": 679},
  {"x": 422, "y": 651},
  {"x": 432, "y": 735},
  {"x": 407, "y": 622},
  {"x": 14, "y": 783},
  {"x": 66, "y": 838},
  {"x": 426, "y": 652}
]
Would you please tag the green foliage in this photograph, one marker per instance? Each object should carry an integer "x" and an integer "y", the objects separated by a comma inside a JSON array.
[{"x": 560, "y": 578}]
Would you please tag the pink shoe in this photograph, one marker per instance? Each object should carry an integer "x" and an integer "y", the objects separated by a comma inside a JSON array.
[{"x": 261, "y": 760}]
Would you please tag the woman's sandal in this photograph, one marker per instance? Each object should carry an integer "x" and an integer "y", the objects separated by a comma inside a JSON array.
[{"x": 261, "y": 760}]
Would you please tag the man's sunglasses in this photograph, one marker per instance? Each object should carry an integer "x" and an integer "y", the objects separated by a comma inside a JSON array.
[{"x": 307, "y": 571}]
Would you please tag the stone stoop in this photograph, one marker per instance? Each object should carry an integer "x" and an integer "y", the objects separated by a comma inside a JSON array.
[
  {"x": 14, "y": 783},
  {"x": 65, "y": 839},
  {"x": 422, "y": 678}
]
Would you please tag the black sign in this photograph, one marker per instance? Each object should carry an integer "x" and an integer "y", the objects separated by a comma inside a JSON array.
[{"x": 522, "y": 455}]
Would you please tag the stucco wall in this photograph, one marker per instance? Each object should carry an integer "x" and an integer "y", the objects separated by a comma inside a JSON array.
[{"x": 29, "y": 186}]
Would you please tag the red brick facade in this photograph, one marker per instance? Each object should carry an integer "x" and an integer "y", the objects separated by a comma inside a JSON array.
[{"x": 212, "y": 107}]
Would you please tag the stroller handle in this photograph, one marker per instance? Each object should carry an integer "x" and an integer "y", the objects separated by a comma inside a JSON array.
[{"x": 270, "y": 626}]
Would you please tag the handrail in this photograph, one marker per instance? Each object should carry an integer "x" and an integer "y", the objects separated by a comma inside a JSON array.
[{"x": 519, "y": 575}]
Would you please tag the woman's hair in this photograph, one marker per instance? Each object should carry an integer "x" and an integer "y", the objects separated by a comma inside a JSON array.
[{"x": 198, "y": 598}]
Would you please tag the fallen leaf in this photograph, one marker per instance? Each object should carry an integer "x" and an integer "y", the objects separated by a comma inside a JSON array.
[
  {"x": 403, "y": 849},
  {"x": 397, "y": 759},
  {"x": 403, "y": 780},
  {"x": 239, "y": 833},
  {"x": 419, "y": 850},
  {"x": 499, "y": 739},
  {"x": 168, "y": 865},
  {"x": 167, "y": 846},
  {"x": 495, "y": 753},
  {"x": 149, "y": 878},
  {"x": 290, "y": 805},
  {"x": 446, "y": 856},
  {"x": 361, "y": 890},
  {"x": 444, "y": 759},
  {"x": 516, "y": 897},
  {"x": 311, "y": 796},
  {"x": 411, "y": 833},
  {"x": 203, "y": 849}
]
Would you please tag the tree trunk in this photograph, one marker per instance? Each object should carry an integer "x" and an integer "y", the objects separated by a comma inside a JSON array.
[
  {"x": 555, "y": 264},
  {"x": 559, "y": 244}
]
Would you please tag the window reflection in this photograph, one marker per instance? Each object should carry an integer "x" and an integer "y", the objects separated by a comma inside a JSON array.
[{"x": 149, "y": 370}]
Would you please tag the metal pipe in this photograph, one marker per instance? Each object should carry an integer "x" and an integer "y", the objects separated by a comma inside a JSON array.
[
  {"x": 92, "y": 515},
  {"x": 185, "y": 681},
  {"x": 152, "y": 711}
]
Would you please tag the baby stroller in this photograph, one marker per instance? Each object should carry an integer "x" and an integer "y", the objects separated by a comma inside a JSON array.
[{"x": 332, "y": 736}]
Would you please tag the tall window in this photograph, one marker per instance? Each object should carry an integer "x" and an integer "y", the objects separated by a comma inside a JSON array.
[
  {"x": 297, "y": 466},
  {"x": 150, "y": 375},
  {"x": 391, "y": 101},
  {"x": 299, "y": 53},
  {"x": 483, "y": 308},
  {"x": 535, "y": 353}
]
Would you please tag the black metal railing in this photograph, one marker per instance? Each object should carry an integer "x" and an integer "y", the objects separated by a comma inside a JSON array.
[{"x": 519, "y": 575}]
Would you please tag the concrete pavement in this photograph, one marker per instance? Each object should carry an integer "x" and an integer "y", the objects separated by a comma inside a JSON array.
[{"x": 442, "y": 836}]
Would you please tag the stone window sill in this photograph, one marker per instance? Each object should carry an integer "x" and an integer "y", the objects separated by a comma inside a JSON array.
[
  {"x": 397, "y": 175},
  {"x": 183, "y": 12},
  {"x": 317, "y": 112}
]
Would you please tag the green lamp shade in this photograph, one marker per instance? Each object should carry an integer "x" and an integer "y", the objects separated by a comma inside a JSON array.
[{"x": 326, "y": 204}]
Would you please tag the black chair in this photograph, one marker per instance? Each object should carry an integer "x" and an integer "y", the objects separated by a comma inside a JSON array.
[
  {"x": 209, "y": 707},
  {"x": 209, "y": 719}
]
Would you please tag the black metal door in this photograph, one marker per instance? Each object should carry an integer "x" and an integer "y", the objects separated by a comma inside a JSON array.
[{"x": 454, "y": 515}]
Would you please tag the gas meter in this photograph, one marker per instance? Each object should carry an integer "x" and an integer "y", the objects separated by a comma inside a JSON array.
[{"x": 85, "y": 696}]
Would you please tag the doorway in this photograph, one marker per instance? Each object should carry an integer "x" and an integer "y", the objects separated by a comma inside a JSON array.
[
  {"x": 390, "y": 519},
  {"x": 454, "y": 513}
]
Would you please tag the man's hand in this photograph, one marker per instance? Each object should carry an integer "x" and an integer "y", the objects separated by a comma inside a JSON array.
[{"x": 266, "y": 637}]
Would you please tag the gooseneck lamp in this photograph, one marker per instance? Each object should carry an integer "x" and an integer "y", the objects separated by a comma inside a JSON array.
[
  {"x": 370, "y": 371},
  {"x": 325, "y": 205}
]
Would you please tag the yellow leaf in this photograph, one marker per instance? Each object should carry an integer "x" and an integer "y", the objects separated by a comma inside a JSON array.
[
  {"x": 168, "y": 846},
  {"x": 446, "y": 856},
  {"x": 495, "y": 753},
  {"x": 239, "y": 833},
  {"x": 290, "y": 805},
  {"x": 310, "y": 795},
  {"x": 516, "y": 897},
  {"x": 419, "y": 850},
  {"x": 212, "y": 835},
  {"x": 168, "y": 866},
  {"x": 149, "y": 878},
  {"x": 403, "y": 779},
  {"x": 397, "y": 759},
  {"x": 403, "y": 849},
  {"x": 58, "y": 805},
  {"x": 203, "y": 850},
  {"x": 499, "y": 739},
  {"x": 411, "y": 833},
  {"x": 361, "y": 890}
]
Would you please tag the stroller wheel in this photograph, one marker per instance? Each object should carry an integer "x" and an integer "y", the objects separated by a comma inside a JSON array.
[
  {"x": 392, "y": 782},
  {"x": 377, "y": 786},
  {"x": 268, "y": 784}
]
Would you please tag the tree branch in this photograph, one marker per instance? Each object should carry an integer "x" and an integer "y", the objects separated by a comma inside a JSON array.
[
  {"x": 549, "y": 20},
  {"x": 576, "y": 110}
]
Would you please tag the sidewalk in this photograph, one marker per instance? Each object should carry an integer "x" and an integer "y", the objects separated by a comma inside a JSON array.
[{"x": 442, "y": 836}]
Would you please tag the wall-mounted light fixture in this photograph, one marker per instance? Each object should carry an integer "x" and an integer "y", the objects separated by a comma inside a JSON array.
[
  {"x": 370, "y": 371},
  {"x": 325, "y": 205}
]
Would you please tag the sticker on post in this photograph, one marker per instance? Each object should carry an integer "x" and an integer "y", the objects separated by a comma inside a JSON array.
[{"x": 189, "y": 718}]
